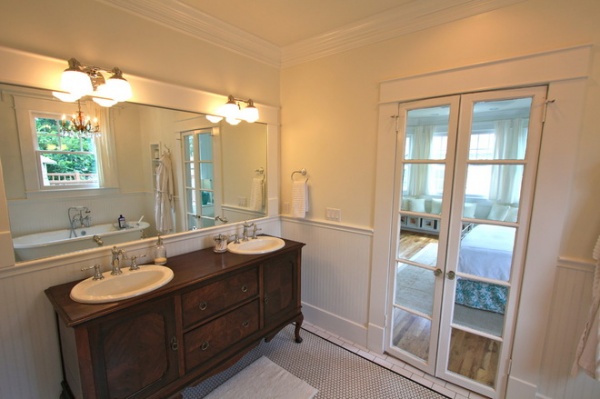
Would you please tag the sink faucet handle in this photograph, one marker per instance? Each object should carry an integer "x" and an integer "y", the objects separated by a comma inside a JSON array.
[
  {"x": 256, "y": 230},
  {"x": 97, "y": 272}
]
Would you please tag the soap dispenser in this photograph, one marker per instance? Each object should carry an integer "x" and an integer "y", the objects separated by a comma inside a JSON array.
[{"x": 160, "y": 252}]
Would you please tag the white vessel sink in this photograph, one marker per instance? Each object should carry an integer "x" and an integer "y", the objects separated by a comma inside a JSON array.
[
  {"x": 259, "y": 245},
  {"x": 127, "y": 285}
]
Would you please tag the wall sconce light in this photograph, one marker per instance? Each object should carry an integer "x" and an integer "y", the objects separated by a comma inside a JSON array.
[
  {"x": 234, "y": 113},
  {"x": 80, "y": 80}
]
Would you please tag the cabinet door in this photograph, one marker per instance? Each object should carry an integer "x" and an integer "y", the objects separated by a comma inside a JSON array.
[
  {"x": 135, "y": 353},
  {"x": 282, "y": 288}
]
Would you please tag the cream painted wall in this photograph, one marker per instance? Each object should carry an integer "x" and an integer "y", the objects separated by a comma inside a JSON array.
[
  {"x": 329, "y": 106},
  {"x": 330, "y": 124}
]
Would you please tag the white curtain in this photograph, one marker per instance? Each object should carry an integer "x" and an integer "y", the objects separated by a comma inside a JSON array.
[
  {"x": 421, "y": 138},
  {"x": 511, "y": 143},
  {"x": 106, "y": 151}
]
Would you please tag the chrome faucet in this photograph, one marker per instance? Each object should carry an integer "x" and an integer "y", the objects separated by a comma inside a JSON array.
[
  {"x": 254, "y": 231},
  {"x": 246, "y": 226},
  {"x": 77, "y": 218},
  {"x": 116, "y": 261}
]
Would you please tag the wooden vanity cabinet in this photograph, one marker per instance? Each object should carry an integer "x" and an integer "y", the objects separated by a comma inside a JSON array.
[{"x": 216, "y": 308}]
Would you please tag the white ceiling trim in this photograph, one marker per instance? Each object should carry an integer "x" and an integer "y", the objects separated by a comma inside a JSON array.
[
  {"x": 412, "y": 17},
  {"x": 181, "y": 17}
]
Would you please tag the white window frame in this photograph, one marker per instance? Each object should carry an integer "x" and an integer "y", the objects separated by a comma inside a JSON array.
[{"x": 26, "y": 109}]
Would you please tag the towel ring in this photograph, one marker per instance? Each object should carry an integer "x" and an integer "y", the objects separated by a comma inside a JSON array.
[{"x": 301, "y": 171}]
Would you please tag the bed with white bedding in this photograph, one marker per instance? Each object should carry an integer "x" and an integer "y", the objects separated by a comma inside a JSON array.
[{"x": 485, "y": 251}]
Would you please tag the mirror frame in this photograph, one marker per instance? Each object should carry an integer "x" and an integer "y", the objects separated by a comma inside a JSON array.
[{"x": 32, "y": 70}]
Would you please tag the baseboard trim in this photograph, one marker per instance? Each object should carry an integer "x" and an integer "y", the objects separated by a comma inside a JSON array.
[
  {"x": 521, "y": 389},
  {"x": 339, "y": 326}
]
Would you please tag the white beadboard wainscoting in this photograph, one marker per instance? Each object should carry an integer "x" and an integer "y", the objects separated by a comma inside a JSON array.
[
  {"x": 571, "y": 299},
  {"x": 335, "y": 275},
  {"x": 29, "y": 349}
]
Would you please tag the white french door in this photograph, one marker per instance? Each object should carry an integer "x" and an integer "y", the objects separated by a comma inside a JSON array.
[{"x": 465, "y": 171}]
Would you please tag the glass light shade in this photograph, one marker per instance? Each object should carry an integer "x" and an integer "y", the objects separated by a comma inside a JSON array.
[
  {"x": 233, "y": 121},
  {"x": 250, "y": 114},
  {"x": 76, "y": 82},
  {"x": 104, "y": 102},
  {"x": 66, "y": 97},
  {"x": 118, "y": 89},
  {"x": 214, "y": 118},
  {"x": 230, "y": 110}
]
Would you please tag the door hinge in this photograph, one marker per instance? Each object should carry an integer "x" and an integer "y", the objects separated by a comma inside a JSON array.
[
  {"x": 546, "y": 109},
  {"x": 509, "y": 366}
]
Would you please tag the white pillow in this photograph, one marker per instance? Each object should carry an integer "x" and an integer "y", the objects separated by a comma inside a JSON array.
[
  {"x": 405, "y": 205},
  {"x": 416, "y": 204},
  {"x": 469, "y": 209},
  {"x": 498, "y": 212},
  {"x": 512, "y": 214},
  {"x": 436, "y": 206}
]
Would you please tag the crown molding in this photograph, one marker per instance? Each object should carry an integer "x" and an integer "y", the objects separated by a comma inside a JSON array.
[
  {"x": 181, "y": 17},
  {"x": 412, "y": 17}
]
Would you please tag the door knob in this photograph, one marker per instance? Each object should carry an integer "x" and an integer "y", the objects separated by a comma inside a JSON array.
[
  {"x": 451, "y": 275},
  {"x": 437, "y": 272}
]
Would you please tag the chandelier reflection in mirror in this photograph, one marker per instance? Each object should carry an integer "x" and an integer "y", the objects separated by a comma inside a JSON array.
[
  {"x": 234, "y": 113},
  {"x": 79, "y": 125},
  {"x": 80, "y": 80}
]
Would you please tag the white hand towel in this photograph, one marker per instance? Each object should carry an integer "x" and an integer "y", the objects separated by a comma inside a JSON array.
[
  {"x": 256, "y": 194},
  {"x": 299, "y": 198}
]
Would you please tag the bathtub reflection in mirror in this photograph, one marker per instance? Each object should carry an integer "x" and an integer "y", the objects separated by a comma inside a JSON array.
[{"x": 219, "y": 172}]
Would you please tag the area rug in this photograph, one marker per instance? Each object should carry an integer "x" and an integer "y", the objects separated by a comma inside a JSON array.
[
  {"x": 263, "y": 379},
  {"x": 336, "y": 372},
  {"x": 414, "y": 290}
]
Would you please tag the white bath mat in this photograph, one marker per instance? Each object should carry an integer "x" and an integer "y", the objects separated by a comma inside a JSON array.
[{"x": 266, "y": 380}]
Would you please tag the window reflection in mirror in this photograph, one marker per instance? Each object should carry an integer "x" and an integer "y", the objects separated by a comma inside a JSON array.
[{"x": 129, "y": 169}]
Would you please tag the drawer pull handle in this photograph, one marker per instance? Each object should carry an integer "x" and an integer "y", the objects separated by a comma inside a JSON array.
[
  {"x": 245, "y": 324},
  {"x": 266, "y": 299},
  {"x": 244, "y": 288},
  {"x": 203, "y": 305},
  {"x": 174, "y": 344},
  {"x": 205, "y": 345}
]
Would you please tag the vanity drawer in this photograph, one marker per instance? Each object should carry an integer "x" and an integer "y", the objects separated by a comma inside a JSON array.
[
  {"x": 210, "y": 299},
  {"x": 215, "y": 338}
]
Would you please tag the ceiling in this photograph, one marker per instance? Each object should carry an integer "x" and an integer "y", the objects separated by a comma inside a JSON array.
[
  {"x": 283, "y": 33},
  {"x": 294, "y": 20}
]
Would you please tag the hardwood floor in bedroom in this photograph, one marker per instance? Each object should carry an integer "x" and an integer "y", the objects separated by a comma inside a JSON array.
[{"x": 473, "y": 356}]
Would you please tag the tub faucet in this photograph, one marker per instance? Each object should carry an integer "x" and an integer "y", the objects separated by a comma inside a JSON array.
[{"x": 116, "y": 261}]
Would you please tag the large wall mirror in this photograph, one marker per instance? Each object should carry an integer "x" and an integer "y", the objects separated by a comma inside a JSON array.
[{"x": 219, "y": 173}]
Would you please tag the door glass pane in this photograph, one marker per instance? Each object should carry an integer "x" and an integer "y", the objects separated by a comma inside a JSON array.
[
  {"x": 493, "y": 192},
  {"x": 205, "y": 146},
  {"x": 499, "y": 129},
  {"x": 474, "y": 356},
  {"x": 188, "y": 147},
  {"x": 415, "y": 287},
  {"x": 427, "y": 133},
  {"x": 423, "y": 188},
  {"x": 411, "y": 333},
  {"x": 480, "y": 305},
  {"x": 487, "y": 251},
  {"x": 192, "y": 222},
  {"x": 189, "y": 175},
  {"x": 190, "y": 201}
]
